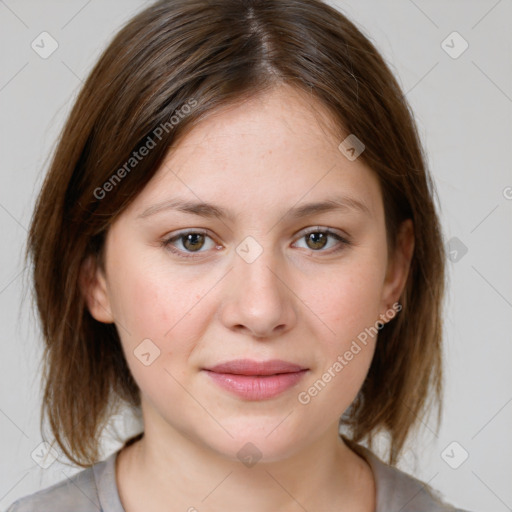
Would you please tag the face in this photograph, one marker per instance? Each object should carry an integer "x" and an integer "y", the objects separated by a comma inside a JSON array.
[{"x": 270, "y": 279}]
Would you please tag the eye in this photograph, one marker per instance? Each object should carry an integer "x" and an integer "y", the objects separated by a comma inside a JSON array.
[
  {"x": 318, "y": 238},
  {"x": 190, "y": 241},
  {"x": 193, "y": 241}
]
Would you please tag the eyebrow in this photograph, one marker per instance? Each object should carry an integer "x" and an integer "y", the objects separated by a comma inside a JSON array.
[{"x": 207, "y": 210}]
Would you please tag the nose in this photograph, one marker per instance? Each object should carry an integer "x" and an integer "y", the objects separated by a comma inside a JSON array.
[{"x": 258, "y": 297}]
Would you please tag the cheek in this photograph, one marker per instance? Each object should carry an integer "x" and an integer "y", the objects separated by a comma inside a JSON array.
[
  {"x": 349, "y": 300},
  {"x": 142, "y": 304},
  {"x": 349, "y": 306},
  {"x": 150, "y": 304},
  {"x": 153, "y": 317}
]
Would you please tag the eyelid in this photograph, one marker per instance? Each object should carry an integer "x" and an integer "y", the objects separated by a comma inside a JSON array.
[{"x": 324, "y": 229}]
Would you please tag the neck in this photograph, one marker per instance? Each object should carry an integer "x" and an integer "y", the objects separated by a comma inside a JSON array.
[{"x": 166, "y": 468}]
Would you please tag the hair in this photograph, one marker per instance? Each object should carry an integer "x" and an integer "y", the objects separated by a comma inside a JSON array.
[{"x": 213, "y": 54}]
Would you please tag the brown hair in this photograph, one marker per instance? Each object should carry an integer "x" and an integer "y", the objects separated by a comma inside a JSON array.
[{"x": 214, "y": 54}]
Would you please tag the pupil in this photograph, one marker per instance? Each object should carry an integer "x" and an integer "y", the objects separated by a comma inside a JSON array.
[
  {"x": 320, "y": 242},
  {"x": 192, "y": 237}
]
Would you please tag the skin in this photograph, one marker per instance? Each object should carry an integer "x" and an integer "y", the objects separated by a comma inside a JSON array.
[{"x": 297, "y": 301}]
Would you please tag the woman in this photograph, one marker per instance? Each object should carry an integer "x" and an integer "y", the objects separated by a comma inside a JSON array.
[{"x": 238, "y": 237}]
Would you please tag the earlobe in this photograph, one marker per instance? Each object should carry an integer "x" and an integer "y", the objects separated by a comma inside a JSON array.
[
  {"x": 399, "y": 265},
  {"x": 93, "y": 286}
]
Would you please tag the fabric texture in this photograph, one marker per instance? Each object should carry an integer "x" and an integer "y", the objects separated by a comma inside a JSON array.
[{"x": 95, "y": 489}]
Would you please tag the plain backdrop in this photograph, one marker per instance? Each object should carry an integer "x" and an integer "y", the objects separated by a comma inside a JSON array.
[{"x": 462, "y": 99}]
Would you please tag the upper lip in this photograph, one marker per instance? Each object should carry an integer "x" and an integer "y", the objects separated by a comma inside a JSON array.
[{"x": 251, "y": 367}]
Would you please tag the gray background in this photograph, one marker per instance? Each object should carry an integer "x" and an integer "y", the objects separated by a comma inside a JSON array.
[{"x": 463, "y": 108}]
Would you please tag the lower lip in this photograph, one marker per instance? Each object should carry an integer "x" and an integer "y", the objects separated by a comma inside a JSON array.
[{"x": 256, "y": 387}]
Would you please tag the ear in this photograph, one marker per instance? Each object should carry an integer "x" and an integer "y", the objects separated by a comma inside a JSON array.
[
  {"x": 398, "y": 265},
  {"x": 93, "y": 286}
]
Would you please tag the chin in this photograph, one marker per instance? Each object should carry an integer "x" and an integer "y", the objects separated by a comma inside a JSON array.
[{"x": 257, "y": 442}]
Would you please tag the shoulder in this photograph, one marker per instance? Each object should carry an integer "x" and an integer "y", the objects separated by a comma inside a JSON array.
[
  {"x": 77, "y": 493},
  {"x": 397, "y": 490}
]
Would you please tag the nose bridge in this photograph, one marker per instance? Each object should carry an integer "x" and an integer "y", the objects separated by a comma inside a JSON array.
[
  {"x": 256, "y": 267},
  {"x": 259, "y": 299}
]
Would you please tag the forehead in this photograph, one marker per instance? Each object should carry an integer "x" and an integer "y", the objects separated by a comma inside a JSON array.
[{"x": 275, "y": 149}]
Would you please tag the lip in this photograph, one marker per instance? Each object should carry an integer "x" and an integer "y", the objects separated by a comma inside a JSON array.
[
  {"x": 256, "y": 380},
  {"x": 251, "y": 367}
]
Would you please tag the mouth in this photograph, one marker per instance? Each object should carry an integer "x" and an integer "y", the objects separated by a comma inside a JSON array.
[
  {"x": 259, "y": 368},
  {"x": 256, "y": 380}
]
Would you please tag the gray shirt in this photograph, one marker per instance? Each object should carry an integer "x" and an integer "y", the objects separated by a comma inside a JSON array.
[{"x": 95, "y": 490}]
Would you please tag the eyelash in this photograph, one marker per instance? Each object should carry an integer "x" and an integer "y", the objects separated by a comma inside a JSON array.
[{"x": 167, "y": 243}]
